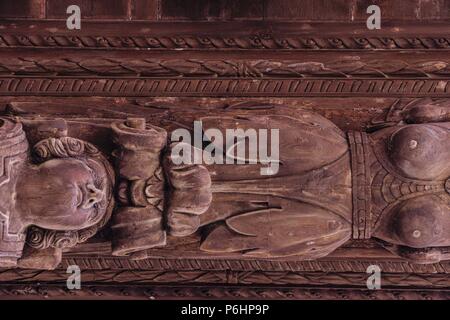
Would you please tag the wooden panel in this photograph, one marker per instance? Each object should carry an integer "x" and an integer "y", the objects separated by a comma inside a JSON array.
[
  {"x": 210, "y": 9},
  {"x": 434, "y": 9},
  {"x": 301, "y": 10},
  {"x": 22, "y": 8},
  {"x": 405, "y": 9},
  {"x": 191, "y": 10},
  {"x": 144, "y": 9},
  {"x": 314, "y": 10},
  {"x": 97, "y": 9},
  {"x": 250, "y": 9}
]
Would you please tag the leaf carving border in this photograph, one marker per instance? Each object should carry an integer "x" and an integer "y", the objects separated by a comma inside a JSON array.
[
  {"x": 347, "y": 67},
  {"x": 218, "y": 292}
]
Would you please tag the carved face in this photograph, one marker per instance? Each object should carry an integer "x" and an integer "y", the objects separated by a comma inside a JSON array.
[{"x": 64, "y": 194}]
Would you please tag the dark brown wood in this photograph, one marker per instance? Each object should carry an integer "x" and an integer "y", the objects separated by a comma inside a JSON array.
[
  {"x": 363, "y": 118},
  {"x": 97, "y": 9},
  {"x": 22, "y": 9},
  {"x": 370, "y": 161},
  {"x": 145, "y": 9},
  {"x": 226, "y": 10}
]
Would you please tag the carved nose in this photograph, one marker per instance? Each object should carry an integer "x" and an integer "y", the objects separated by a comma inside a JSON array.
[{"x": 92, "y": 196}]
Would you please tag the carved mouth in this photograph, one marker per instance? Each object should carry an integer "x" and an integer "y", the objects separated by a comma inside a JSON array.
[{"x": 80, "y": 196}]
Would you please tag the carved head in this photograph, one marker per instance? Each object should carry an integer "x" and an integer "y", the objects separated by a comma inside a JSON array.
[{"x": 67, "y": 195}]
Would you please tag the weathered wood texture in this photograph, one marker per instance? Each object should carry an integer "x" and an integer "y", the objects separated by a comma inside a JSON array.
[
  {"x": 377, "y": 94},
  {"x": 170, "y": 10}
]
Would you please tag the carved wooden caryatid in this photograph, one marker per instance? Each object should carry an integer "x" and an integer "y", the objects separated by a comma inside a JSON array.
[{"x": 391, "y": 185}]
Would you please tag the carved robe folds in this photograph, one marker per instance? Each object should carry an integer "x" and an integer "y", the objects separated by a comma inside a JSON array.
[{"x": 304, "y": 210}]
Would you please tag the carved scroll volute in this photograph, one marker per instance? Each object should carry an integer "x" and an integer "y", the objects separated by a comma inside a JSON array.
[{"x": 138, "y": 224}]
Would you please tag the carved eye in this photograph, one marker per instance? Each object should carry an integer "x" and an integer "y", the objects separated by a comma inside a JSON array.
[
  {"x": 420, "y": 222},
  {"x": 421, "y": 152}
]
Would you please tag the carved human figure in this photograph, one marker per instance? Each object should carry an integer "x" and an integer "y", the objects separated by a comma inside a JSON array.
[
  {"x": 392, "y": 185},
  {"x": 60, "y": 194},
  {"x": 303, "y": 210}
]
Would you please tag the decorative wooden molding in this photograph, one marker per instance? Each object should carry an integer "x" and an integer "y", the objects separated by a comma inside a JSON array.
[
  {"x": 225, "y": 36},
  {"x": 146, "y": 277},
  {"x": 117, "y": 91},
  {"x": 350, "y": 67},
  {"x": 142, "y": 87},
  {"x": 208, "y": 42},
  {"x": 330, "y": 264},
  {"x": 8, "y": 291}
]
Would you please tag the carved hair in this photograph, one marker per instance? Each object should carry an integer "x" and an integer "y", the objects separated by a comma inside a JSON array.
[{"x": 67, "y": 147}]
